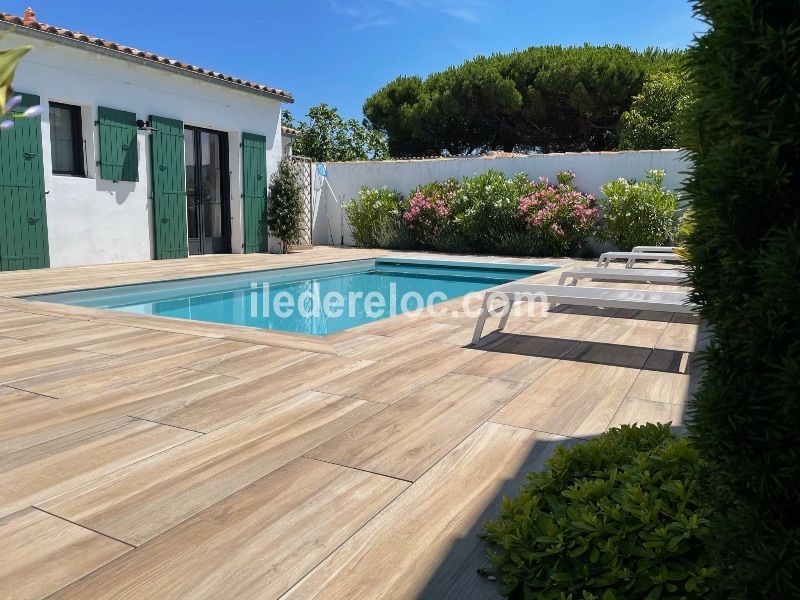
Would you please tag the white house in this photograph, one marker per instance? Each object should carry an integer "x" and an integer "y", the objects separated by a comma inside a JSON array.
[{"x": 135, "y": 156}]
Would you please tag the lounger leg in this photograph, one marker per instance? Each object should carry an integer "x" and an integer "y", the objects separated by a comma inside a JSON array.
[
  {"x": 573, "y": 279},
  {"x": 630, "y": 263},
  {"x": 476, "y": 336},
  {"x": 600, "y": 261},
  {"x": 505, "y": 314}
]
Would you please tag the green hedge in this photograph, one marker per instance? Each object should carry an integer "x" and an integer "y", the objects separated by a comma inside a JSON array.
[
  {"x": 490, "y": 213},
  {"x": 487, "y": 213},
  {"x": 617, "y": 517},
  {"x": 745, "y": 259}
]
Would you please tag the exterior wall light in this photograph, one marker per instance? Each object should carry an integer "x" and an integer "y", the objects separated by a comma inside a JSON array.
[{"x": 145, "y": 126}]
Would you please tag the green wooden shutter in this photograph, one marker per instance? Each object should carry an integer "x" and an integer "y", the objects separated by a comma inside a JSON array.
[
  {"x": 119, "y": 150},
  {"x": 254, "y": 196},
  {"x": 169, "y": 188},
  {"x": 23, "y": 211}
]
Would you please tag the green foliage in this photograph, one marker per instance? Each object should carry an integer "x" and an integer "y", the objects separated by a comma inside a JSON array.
[
  {"x": 637, "y": 213},
  {"x": 546, "y": 98},
  {"x": 559, "y": 217},
  {"x": 686, "y": 225},
  {"x": 428, "y": 214},
  {"x": 484, "y": 207},
  {"x": 652, "y": 121},
  {"x": 374, "y": 217},
  {"x": 285, "y": 205},
  {"x": 618, "y": 517},
  {"x": 484, "y": 213},
  {"x": 745, "y": 262},
  {"x": 328, "y": 137}
]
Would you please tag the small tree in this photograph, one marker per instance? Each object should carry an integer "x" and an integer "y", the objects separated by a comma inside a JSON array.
[
  {"x": 328, "y": 137},
  {"x": 652, "y": 121},
  {"x": 285, "y": 205}
]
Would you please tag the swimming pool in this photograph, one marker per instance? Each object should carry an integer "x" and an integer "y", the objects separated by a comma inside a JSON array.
[{"x": 316, "y": 299}]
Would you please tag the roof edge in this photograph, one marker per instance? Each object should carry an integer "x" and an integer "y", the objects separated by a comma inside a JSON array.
[{"x": 209, "y": 77}]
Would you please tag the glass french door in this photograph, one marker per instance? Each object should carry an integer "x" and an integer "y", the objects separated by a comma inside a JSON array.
[{"x": 207, "y": 191}]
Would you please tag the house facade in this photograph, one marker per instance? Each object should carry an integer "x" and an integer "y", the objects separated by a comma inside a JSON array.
[{"x": 134, "y": 157}]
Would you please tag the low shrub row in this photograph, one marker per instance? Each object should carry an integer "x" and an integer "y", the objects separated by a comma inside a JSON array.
[
  {"x": 618, "y": 517},
  {"x": 492, "y": 213}
]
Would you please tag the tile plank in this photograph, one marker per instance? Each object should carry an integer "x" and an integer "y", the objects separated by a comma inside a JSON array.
[
  {"x": 251, "y": 362},
  {"x": 140, "y": 501},
  {"x": 571, "y": 399},
  {"x": 41, "y": 553},
  {"x": 634, "y": 411},
  {"x": 681, "y": 336},
  {"x": 43, "y": 471},
  {"x": 213, "y": 408},
  {"x": 407, "y": 438},
  {"x": 30, "y": 419},
  {"x": 669, "y": 388},
  {"x": 394, "y": 378},
  {"x": 255, "y": 544},
  {"x": 90, "y": 375},
  {"x": 405, "y": 552}
]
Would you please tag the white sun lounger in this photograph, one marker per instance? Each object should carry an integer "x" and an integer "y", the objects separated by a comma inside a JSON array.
[
  {"x": 665, "y": 276},
  {"x": 581, "y": 296},
  {"x": 654, "y": 248},
  {"x": 632, "y": 257}
]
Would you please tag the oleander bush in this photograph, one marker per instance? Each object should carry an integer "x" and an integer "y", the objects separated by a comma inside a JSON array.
[
  {"x": 558, "y": 217},
  {"x": 637, "y": 213},
  {"x": 618, "y": 517},
  {"x": 374, "y": 217},
  {"x": 428, "y": 211},
  {"x": 487, "y": 213},
  {"x": 484, "y": 208},
  {"x": 744, "y": 189}
]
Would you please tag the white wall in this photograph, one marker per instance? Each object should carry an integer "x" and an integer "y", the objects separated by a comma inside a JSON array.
[
  {"x": 592, "y": 169},
  {"x": 96, "y": 221}
]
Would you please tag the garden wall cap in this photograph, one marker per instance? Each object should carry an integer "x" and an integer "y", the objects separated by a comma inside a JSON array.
[
  {"x": 504, "y": 155},
  {"x": 29, "y": 21}
]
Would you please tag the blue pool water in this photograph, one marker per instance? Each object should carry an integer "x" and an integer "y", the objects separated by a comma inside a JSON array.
[{"x": 318, "y": 299}]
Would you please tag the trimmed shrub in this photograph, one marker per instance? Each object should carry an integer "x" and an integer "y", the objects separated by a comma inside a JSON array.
[
  {"x": 374, "y": 217},
  {"x": 284, "y": 217},
  {"x": 745, "y": 262},
  {"x": 637, "y": 213},
  {"x": 617, "y": 517}
]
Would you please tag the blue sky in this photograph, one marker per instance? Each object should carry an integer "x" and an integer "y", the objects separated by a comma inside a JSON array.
[{"x": 341, "y": 51}]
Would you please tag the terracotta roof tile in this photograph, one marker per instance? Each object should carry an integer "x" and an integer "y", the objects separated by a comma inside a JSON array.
[
  {"x": 289, "y": 131},
  {"x": 30, "y": 22}
]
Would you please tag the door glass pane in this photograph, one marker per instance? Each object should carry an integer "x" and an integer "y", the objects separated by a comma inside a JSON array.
[
  {"x": 62, "y": 142},
  {"x": 210, "y": 143},
  {"x": 191, "y": 183}
]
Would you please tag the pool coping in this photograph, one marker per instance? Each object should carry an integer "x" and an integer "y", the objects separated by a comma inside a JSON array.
[{"x": 319, "y": 343}]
